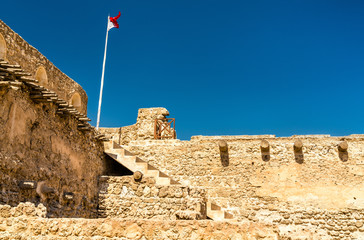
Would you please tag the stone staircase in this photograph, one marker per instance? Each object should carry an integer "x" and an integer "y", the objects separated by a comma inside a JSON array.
[
  {"x": 134, "y": 164},
  {"x": 215, "y": 212}
]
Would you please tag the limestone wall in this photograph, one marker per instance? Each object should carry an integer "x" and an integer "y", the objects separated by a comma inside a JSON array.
[
  {"x": 38, "y": 145},
  {"x": 124, "y": 198},
  {"x": 317, "y": 186},
  {"x": 42, "y": 229},
  {"x": 16, "y": 50},
  {"x": 26, "y": 222}
]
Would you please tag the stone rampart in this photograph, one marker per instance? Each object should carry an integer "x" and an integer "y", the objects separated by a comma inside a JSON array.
[{"x": 16, "y": 50}]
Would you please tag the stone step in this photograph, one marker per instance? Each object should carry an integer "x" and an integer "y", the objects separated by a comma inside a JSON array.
[
  {"x": 9, "y": 65},
  {"x": 129, "y": 164},
  {"x": 163, "y": 181},
  {"x": 27, "y": 79},
  {"x": 119, "y": 151},
  {"x": 152, "y": 173},
  {"x": 142, "y": 167},
  {"x": 134, "y": 163},
  {"x": 108, "y": 145},
  {"x": 215, "y": 212}
]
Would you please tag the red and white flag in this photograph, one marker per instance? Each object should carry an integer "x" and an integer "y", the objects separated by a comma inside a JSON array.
[{"x": 113, "y": 23}]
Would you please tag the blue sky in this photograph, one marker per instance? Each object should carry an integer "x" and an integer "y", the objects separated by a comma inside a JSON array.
[{"x": 219, "y": 67}]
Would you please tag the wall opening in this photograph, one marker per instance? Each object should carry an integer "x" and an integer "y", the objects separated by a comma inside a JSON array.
[
  {"x": 2, "y": 47},
  {"x": 41, "y": 76},
  {"x": 76, "y": 101}
]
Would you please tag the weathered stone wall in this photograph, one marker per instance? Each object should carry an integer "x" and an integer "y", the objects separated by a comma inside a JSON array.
[
  {"x": 24, "y": 209},
  {"x": 26, "y": 222},
  {"x": 40, "y": 228},
  {"x": 18, "y": 51},
  {"x": 36, "y": 144},
  {"x": 322, "y": 179},
  {"x": 318, "y": 185},
  {"x": 125, "y": 198},
  {"x": 143, "y": 128}
]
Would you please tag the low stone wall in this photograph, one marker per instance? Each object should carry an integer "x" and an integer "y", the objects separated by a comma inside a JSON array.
[
  {"x": 40, "y": 228},
  {"x": 26, "y": 221},
  {"x": 24, "y": 209},
  {"x": 18, "y": 51},
  {"x": 60, "y": 163},
  {"x": 123, "y": 197},
  {"x": 341, "y": 224}
]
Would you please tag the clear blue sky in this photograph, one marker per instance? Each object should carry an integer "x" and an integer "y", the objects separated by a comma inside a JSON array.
[{"x": 219, "y": 67}]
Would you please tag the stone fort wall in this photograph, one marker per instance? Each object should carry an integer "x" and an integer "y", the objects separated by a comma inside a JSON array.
[
  {"x": 59, "y": 163},
  {"x": 44, "y": 156},
  {"x": 318, "y": 185},
  {"x": 27, "y": 222},
  {"x": 15, "y": 50}
]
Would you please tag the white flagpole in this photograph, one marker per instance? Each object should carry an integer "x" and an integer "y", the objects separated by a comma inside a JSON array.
[{"x": 102, "y": 76}]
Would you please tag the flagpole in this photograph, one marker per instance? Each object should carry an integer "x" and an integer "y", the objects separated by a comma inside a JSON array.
[{"x": 102, "y": 76}]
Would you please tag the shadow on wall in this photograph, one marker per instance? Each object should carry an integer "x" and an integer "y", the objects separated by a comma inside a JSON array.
[
  {"x": 113, "y": 168},
  {"x": 265, "y": 150},
  {"x": 298, "y": 153},
  {"x": 343, "y": 151},
  {"x": 75, "y": 101},
  {"x": 41, "y": 76},
  {"x": 224, "y": 153}
]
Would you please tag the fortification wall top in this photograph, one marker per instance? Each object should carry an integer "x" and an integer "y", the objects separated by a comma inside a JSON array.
[
  {"x": 143, "y": 129},
  {"x": 15, "y": 50}
]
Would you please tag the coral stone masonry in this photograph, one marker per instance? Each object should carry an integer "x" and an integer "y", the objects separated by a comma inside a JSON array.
[{"x": 62, "y": 179}]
